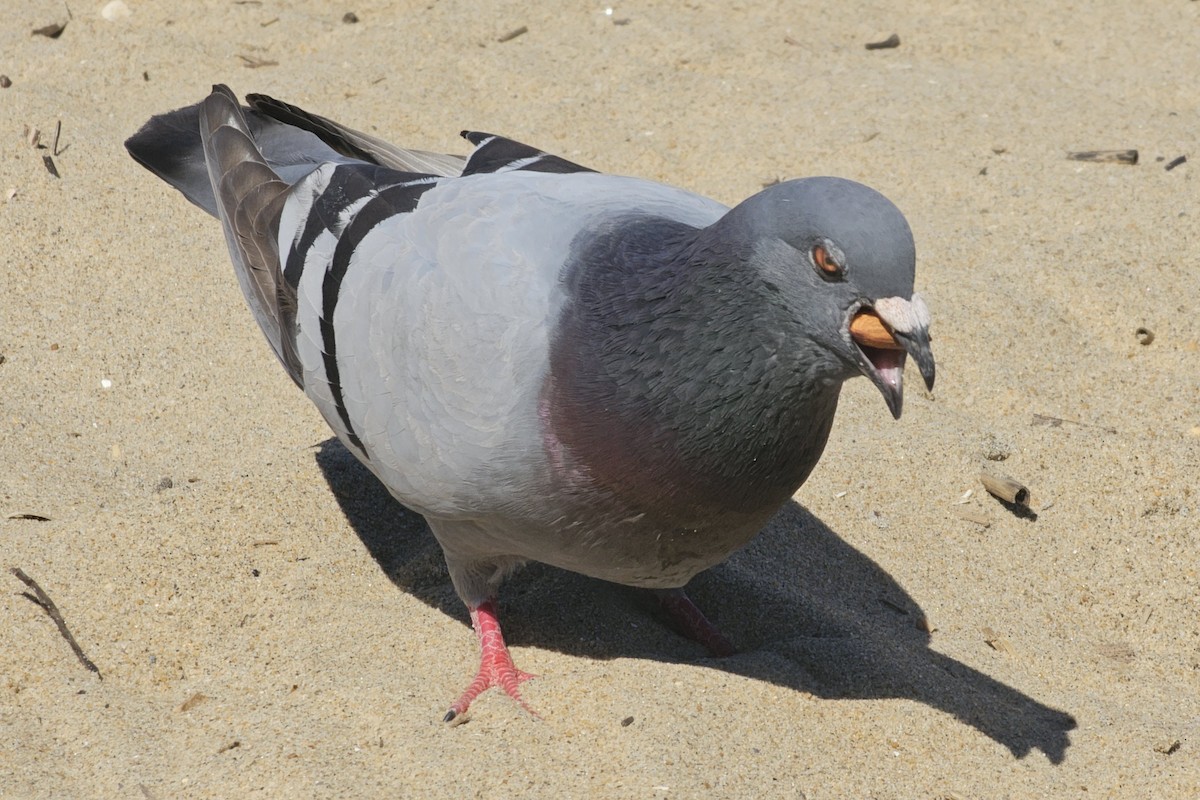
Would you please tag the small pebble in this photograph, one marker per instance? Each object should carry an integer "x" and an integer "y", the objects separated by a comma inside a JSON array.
[
  {"x": 349, "y": 18},
  {"x": 105, "y": 383},
  {"x": 5, "y": 81},
  {"x": 115, "y": 10}
]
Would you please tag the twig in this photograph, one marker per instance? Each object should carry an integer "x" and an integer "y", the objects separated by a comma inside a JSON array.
[
  {"x": 57, "y": 131},
  {"x": 1175, "y": 162},
  {"x": 256, "y": 63},
  {"x": 43, "y": 600},
  {"x": 508, "y": 37},
  {"x": 1106, "y": 156},
  {"x": 886, "y": 44},
  {"x": 1056, "y": 422},
  {"x": 971, "y": 515}
]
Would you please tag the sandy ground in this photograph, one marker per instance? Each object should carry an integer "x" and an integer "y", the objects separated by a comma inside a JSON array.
[{"x": 269, "y": 624}]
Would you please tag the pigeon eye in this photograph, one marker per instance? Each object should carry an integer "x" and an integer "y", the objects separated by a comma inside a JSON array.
[{"x": 825, "y": 262}]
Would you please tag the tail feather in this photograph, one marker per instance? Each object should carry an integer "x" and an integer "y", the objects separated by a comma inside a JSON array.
[
  {"x": 249, "y": 197},
  {"x": 356, "y": 144},
  {"x": 242, "y": 164},
  {"x": 168, "y": 146}
]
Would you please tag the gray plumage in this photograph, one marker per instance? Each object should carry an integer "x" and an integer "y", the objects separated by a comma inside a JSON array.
[{"x": 602, "y": 373}]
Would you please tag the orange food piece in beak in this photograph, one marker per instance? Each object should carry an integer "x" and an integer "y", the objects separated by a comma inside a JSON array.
[{"x": 868, "y": 330}]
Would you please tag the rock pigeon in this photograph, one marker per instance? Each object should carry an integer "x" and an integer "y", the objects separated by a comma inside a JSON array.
[{"x": 601, "y": 373}]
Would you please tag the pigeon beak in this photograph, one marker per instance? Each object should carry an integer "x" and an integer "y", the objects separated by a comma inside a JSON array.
[{"x": 885, "y": 333}]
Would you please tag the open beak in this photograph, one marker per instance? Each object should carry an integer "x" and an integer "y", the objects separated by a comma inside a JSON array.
[{"x": 886, "y": 333}]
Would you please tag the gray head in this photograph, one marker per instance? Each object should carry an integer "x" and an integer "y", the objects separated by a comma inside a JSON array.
[{"x": 842, "y": 256}]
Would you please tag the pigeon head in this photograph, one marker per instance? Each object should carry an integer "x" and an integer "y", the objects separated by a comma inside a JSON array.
[{"x": 842, "y": 257}]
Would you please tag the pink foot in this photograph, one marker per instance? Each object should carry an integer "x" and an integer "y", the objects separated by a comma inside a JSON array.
[
  {"x": 692, "y": 623},
  {"x": 495, "y": 664}
]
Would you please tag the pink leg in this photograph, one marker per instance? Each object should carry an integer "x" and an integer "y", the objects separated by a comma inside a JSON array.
[
  {"x": 692, "y": 623},
  {"x": 495, "y": 664}
]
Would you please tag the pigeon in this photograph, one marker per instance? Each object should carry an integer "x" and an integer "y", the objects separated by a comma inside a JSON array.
[{"x": 601, "y": 373}]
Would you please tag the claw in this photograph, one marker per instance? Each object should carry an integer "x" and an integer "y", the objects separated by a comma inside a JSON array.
[{"x": 496, "y": 667}]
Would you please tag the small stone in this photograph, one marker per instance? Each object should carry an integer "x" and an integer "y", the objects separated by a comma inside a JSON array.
[
  {"x": 115, "y": 10},
  {"x": 349, "y": 18},
  {"x": 5, "y": 81}
]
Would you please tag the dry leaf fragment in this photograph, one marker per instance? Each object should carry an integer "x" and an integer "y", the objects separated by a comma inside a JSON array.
[
  {"x": 995, "y": 640},
  {"x": 193, "y": 701}
]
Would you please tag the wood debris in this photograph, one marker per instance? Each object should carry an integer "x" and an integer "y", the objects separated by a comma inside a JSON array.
[
  {"x": 971, "y": 515},
  {"x": 995, "y": 641},
  {"x": 508, "y": 37},
  {"x": 250, "y": 62},
  {"x": 1005, "y": 488},
  {"x": 42, "y": 599},
  {"x": 193, "y": 701},
  {"x": 51, "y": 31},
  {"x": 889, "y": 43},
  {"x": 1106, "y": 156},
  {"x": 1168, "y": 748}
]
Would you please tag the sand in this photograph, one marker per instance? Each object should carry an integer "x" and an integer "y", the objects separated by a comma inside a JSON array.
[{"x": 267, "y": 623}]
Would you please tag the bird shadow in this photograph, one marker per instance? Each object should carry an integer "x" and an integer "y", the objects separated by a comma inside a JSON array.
[{"x": 804, "y": 609}]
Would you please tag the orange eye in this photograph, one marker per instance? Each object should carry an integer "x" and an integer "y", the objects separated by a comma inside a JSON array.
[{"x": 824, "y": 261}]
